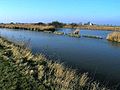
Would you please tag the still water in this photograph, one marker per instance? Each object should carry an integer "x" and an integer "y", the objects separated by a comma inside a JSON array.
[{"x": 100, "y": 58}]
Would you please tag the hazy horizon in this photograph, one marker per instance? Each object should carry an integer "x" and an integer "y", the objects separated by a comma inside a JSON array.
[{"x": 67, "y": 11}]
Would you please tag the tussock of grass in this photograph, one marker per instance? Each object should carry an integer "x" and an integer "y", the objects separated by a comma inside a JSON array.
[
  {"x": 114, "y": 36},
  {"x": 39, "y": 73},
  {"x": 73, "y": 35}
]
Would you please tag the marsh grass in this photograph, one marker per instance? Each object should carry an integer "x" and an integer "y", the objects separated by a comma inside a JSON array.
[
  {"x": 114, "y": 36},
  {"x": 73, "y": 35},
  {"x": 31, "y": 27},
  {"x": 94, "y": 27},
  {"x": 44, "y": 74}
]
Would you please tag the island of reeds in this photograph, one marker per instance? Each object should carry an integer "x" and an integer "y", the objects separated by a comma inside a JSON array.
[
  {"x": 114, "y": 36},
  {"x": 22, "y": 70}
]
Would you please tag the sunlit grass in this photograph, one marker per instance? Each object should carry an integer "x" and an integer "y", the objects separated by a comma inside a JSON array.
[
  {"x": 114, "y": 36},
  {"x": 52, "y": 75},
  {"x": 94, "y": 27},
  {"x": 29, "y": 27}
]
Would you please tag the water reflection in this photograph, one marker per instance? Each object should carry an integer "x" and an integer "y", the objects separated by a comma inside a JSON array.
[{"x": 114, "y": 44}]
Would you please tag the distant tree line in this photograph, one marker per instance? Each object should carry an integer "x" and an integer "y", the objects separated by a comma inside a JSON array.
[
  {"x": 54, "y": 23},
  {"x": 58, "y": 24}
]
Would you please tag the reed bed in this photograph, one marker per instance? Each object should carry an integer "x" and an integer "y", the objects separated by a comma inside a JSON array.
[
  {"x": 114, "y": 36},
  {"x": 40, "y": 73},
  {"x": 31, "y": 27},
  {"x": 94, "y": 27}
]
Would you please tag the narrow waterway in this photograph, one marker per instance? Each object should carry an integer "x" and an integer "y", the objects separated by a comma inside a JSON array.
[{"x": 98, "y": 56}]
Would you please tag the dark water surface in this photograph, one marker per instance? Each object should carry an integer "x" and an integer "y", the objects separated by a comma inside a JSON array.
[{"x": 99, "y": 57}]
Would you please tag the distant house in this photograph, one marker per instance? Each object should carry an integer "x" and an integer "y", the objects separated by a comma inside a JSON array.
[{"x": 89, "y": 23}]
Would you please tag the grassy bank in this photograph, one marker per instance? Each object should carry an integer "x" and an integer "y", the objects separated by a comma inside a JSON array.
[
  {"x": 93, "y": 27},
  {"x": 53, "y": 26},
  {"x": 31, "y": 27},
  {"x": 114, "y": 36},
  {"x": 20, "y": 69},
  {"x": 59, "y": 33}
]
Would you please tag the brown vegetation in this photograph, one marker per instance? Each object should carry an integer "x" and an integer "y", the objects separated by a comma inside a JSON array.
[
  {"x": 93, "y": 27},
  {"x": 114, "y": 36},
  {"x": 29, "y": 27},
  {"x": 49, "y": 74}
]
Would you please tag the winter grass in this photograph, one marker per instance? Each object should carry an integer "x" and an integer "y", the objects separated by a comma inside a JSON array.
[{"x": 44, "y": 74}]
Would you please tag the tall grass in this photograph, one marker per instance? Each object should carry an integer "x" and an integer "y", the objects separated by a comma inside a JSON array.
[
  {"x": 114, "y": 36},
  {"x": 51, "y": 75},
  {"x": 29, "y": 27},
  {"x": 94, "y": 27}
]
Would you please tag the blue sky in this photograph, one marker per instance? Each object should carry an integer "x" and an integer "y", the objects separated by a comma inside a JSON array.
[{"x": 96, "y": 11}]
